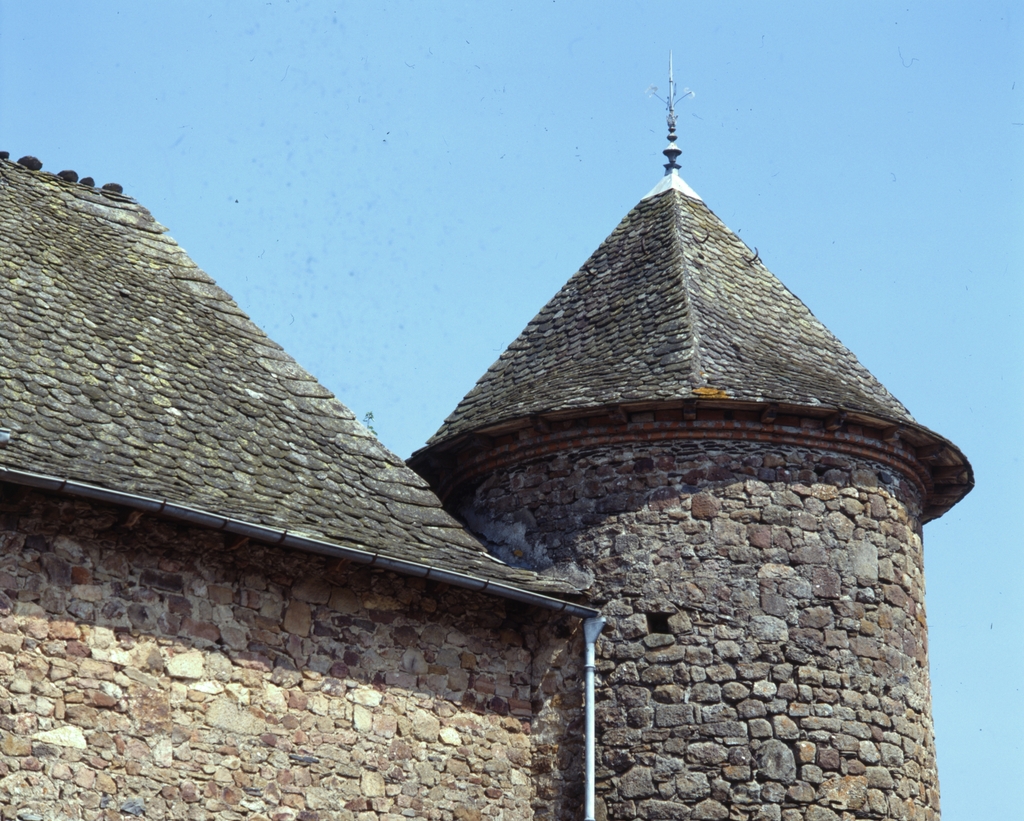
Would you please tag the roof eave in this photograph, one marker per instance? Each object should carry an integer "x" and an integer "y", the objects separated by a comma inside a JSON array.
[
  {"x": 948, "y": 475},
  {"x": 283, "y": 538}
]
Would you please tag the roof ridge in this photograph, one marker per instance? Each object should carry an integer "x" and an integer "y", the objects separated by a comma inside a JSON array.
[
  {"x": 697, "y": 375},
  {"x": 70, "y": 180}
]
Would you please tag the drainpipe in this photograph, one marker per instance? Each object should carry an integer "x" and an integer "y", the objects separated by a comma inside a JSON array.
[{"x": 591, "y": 630}]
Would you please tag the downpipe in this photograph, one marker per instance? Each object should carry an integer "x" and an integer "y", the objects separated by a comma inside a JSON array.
[{"x": 591, "y": 630}]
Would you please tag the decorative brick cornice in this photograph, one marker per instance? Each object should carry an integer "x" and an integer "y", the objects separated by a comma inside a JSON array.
[{"x": 934, "y": 466}]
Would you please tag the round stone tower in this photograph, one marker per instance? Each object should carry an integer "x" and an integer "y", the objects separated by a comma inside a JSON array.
[{"x": 677, "y": 434}]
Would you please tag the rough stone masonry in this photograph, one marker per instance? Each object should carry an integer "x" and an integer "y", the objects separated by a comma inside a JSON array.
[
  {"x": 766, "y": 653},
  {"x": 145, "y": 671}
]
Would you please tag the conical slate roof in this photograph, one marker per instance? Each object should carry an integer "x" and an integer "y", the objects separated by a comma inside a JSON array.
[
  {"x": 123, "y": 366},
  {"x": 671, "y": 306}
]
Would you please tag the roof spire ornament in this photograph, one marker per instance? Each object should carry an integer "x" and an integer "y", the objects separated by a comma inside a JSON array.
[{"x": 672, "y": 151}]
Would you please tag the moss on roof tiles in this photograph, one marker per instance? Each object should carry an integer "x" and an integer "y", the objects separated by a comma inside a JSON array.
[
  {"x": 671, "y": 306},
  {"x": 125, "y": 366}
]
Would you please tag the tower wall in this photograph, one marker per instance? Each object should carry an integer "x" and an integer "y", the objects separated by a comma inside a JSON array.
[{"x": 766, "y": 651}]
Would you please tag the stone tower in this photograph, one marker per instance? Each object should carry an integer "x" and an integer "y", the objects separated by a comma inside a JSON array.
[{"x": 743, "y": 500}]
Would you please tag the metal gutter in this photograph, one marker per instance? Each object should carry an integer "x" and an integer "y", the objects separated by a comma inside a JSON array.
[{"x": 283, "y": 538}]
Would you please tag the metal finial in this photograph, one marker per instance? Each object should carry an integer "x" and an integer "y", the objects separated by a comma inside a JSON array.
[
  {"x": 671, "y": 99},
  {"x": 673, "y": 151}
]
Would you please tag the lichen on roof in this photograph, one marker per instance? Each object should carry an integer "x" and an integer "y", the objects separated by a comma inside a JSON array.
[
  {"x": 125, "y": 366},
  {"x": 671, "y": 306}
]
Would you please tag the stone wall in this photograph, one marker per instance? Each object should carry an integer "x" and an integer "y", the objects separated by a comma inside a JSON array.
[
  {"x": 765, "y": 656},
  {"x": 145, "y": 670},
  {"x": 558, "y": 722}
]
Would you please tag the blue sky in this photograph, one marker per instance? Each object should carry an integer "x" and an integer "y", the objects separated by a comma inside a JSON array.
[{"x": 393, "y": 190}]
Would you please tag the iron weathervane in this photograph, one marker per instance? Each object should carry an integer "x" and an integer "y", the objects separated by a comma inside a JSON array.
[{"x": 672, "y": 151}]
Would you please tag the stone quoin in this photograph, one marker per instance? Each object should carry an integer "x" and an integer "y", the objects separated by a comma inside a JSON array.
[{"x": 221, "y": 597}]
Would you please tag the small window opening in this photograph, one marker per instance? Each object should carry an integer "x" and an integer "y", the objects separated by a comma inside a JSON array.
[{"x": 658, "y": 623}]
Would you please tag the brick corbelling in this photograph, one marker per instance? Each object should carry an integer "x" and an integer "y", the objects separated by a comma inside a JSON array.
[{"x": 471, "y": 466}]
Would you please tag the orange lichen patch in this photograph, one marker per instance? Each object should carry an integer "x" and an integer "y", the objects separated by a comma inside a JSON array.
[{"x": 711, "y": 393}]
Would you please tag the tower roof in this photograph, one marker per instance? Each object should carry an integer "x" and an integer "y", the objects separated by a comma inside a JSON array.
[
  {"x": 671, "y": 306},
  {"x": 124, "y": 367},
  {"x": 673, "y": 311}
]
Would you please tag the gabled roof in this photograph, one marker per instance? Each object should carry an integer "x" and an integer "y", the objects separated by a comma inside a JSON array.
[
  {"x": 123, "y": 366},
  {"x": 671, "y": 306}
]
